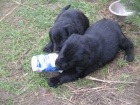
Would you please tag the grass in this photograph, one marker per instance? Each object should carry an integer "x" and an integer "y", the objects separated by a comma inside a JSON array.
[
  {"x": 121, "y": 63},
  {"x": 29, "y": 32},
  {"x": 25, "y": 32}
]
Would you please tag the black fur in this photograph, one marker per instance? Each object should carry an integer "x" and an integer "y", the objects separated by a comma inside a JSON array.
[
  {"x": 82, "y": 55},
  {"x": 68, "y": 22}
]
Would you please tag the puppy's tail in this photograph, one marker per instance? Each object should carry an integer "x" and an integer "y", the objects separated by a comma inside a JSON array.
[
  {"x": 127, "y": 46},
  {"x": 66, "y": 7}
]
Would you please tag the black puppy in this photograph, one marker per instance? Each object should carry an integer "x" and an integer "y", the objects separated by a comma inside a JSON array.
[
  {"x": 82, "y": 55},
  {"x": 67, "y": 23}
]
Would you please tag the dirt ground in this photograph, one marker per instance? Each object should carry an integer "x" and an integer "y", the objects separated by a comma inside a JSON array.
[{"x": 105, "y": 94}]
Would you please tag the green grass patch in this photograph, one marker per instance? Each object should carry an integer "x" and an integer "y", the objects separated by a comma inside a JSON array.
[
  {"x": 85, "y": 82},
  {"x": 24, "y": 33},
  {"x": 121, "y": 63}
]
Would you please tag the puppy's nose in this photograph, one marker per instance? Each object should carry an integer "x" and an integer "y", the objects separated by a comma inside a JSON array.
[{"x": 57, "y": 67}]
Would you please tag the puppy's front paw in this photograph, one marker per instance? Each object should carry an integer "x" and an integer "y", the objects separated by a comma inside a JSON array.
[
  {"x": 129, "y": 58},
  {"x": 54, "y": 82}
]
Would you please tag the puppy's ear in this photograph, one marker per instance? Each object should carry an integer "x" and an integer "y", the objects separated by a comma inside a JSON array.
[{"x": 70, "y": 29}]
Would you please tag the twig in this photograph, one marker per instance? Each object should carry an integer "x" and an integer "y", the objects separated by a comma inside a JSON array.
[
  {"x": 133, "y": 32},
  {"x": 85, "y": 90},
  {"x": 9, "y": 13},
  {"x": 69, "y": 87},
  {"x": 46, "y": 94},
  {"x": 107, "y": 81},
  {"x": 27, "y": 51},
  {"x": 22, "y": 4}
]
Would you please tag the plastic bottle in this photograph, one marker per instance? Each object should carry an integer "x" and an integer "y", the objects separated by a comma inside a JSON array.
[{"x": 44, "y": 62}]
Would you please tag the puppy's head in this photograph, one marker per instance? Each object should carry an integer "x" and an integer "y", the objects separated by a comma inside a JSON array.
[
  {"x": 71, "y": 53},
  {"x": 59, "y": 34}
]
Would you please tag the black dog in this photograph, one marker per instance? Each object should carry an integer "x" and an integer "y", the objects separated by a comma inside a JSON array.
[
  {"x": 82, "y": 55},
  {"x": 67, "y": 23}
]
